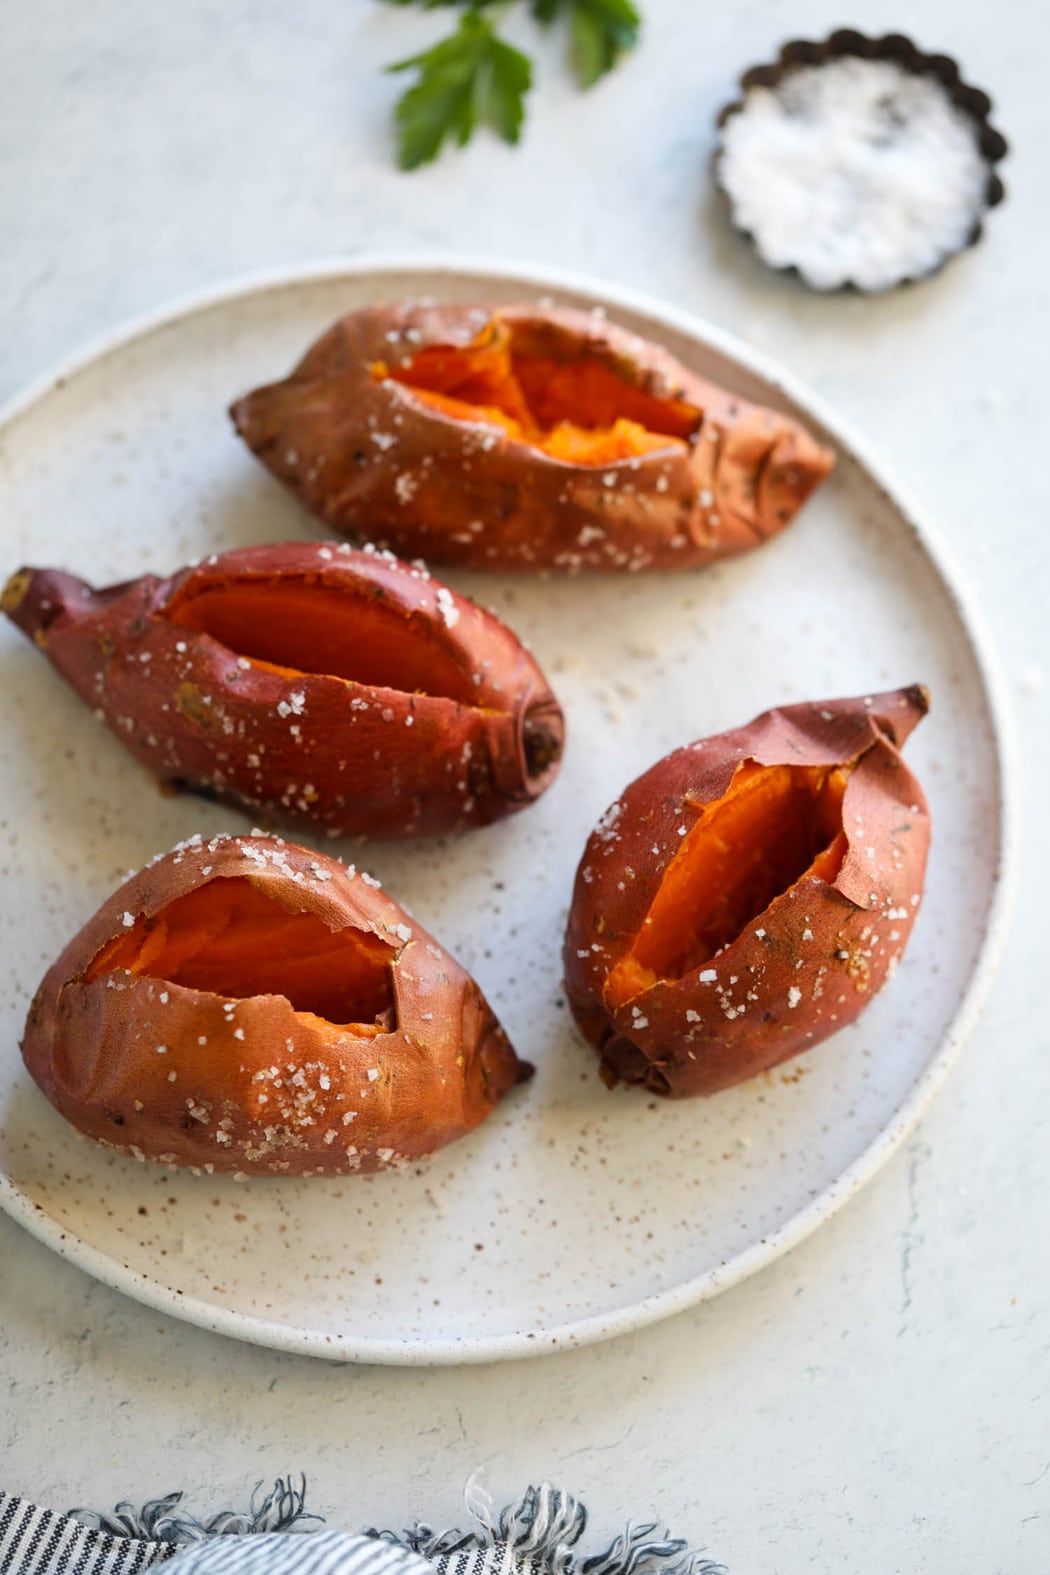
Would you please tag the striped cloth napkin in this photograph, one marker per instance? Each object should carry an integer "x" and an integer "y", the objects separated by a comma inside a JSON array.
[{"x": 539, "y": 1534}]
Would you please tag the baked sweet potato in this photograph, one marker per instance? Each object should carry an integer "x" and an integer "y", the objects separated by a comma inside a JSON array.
[
  {"x": 748, "y": 895},
  {"x": 246, "y": 1005},
  {"x": 315, "y": 685},
  {"x": 526, "y": 438}
]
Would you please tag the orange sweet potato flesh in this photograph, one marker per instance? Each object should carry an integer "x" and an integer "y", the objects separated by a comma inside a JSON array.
[
  {"x": 775, "y": 826},
  {"x": 246, "y": 1005},
  {"x": 231, "y": 939},
  {"x": 308, "y": 628},
  {"x": 577, "y": 411},
  {"x": 747, "y": 896},
  {"x": 526, "y": 437},
  {"x": 339, "y": 689}
]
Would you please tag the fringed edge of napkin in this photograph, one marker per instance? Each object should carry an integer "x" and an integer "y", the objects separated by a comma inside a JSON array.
[
  {"x": 543, "y": 1527},
  {"x": 164, "y": 1520}
]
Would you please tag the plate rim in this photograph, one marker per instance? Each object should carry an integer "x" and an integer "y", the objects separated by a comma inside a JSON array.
[{"x": 452, "y": 1351}]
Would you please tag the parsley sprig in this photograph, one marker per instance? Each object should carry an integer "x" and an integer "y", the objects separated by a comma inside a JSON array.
[{"x": 474, "y": 77}]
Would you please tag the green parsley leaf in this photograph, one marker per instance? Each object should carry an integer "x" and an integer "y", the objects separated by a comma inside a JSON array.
[
  {"x": 472, "y": 75},
  {"x": 600, "y": 30},
  {"x": 503, "y": 90}
]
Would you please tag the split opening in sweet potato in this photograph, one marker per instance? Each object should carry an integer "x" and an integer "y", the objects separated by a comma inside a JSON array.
[
  {"x": 297, "y": 626},
  {"x": 775, "y": 825},
  {"x": 578, "y": 410},
  {"x": 230, "y": 939}
]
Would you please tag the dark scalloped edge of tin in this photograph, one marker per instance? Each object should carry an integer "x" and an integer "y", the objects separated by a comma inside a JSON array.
[{"x": 902, "y": 51}]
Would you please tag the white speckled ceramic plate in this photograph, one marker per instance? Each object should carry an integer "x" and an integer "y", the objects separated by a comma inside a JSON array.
[{"x": 573, "y": 1213}]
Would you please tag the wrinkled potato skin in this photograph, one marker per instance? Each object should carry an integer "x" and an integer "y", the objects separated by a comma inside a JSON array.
[
  {"x": 858, "y": 925},
  {"x": 372, "y": 460},
  {"x": 353, "y": 760},
  {"x": 91, "y": 1046}
]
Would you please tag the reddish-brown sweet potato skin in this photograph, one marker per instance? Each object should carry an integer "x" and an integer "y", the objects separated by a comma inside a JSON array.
[
  {"x": 249, "y": 1085},
  {"x": 308, "y": 748},
  {"x": 805, "y": 967},
  {"x": 373, "y": 460}
]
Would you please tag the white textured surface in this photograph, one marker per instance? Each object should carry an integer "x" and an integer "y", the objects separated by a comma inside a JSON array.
[{"x": 881, "y": 1396}]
